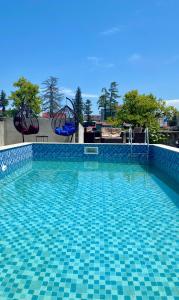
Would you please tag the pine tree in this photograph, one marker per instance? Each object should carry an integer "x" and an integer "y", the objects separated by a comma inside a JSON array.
[
  {"x": 51, "y": 96},
  {"x": 3, "y": 101},
  {"x": 103, "y": 101},
  {"x": 78, "y": 105},
  {"x": 88, "y": 110},
  {"x": 113, "y": 96}
]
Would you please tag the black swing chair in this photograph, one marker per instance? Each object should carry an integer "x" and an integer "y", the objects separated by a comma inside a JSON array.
[
  {"x": 65, "y": 121},
  {"x": 25, "y": 121}
]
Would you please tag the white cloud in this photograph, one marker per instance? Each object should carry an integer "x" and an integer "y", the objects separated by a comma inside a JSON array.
[
  {"x": 111, "y": 31},
  {"x": 135, "y": 57},
  {"x": 174, "y": 102},
  {"x": 71, "y": 93},
  {"x": 68, "y": 92},
  {"x": 86, "y": 95},
  {"x": 99, "y": 62}
]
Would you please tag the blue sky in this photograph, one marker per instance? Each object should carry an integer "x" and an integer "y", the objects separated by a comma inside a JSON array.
[{"x": 89, "y": 43}]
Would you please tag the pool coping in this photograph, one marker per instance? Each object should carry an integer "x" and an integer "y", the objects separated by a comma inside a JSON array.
[
  {"x": 166, "y": 147},
  {"x": 12, "y": 146}
]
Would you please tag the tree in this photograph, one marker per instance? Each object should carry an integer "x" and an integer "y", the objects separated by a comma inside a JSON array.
[
  {"x": 78, "y": 105},
  {"x": 51, "y": 96},
  {"x": 26, "y": 93},
  {"x": 144, "y": 110},
  {"x": 173, "y": 120},
  {"x": 87, "y": 109},
  {"x": 108, "y": 100},
  {"x": 103, "y": 101},
  {"x": 10, "y": 112},
  {"x": 113, "y": 96},
  {"x": 3, "y": 101}
]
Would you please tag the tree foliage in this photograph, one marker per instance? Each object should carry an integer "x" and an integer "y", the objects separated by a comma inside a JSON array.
[
  {"x": 113, "y": 96},
  {"x": 103, "y": 101},
  {"x": 26, "y": 93},
  {"x": 144, "y": 110},
  {"x": 78, "y": 105},
  {"x": 3, "y": 101},
  {"x": 108, "y": 100},
  {"x": 51, "y": 96},
  {"x": 9, "y": 112},
  {"x": 88, "y": 109}
]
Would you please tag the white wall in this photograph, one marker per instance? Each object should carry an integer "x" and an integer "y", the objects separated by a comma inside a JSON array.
[
  {"x": 12, "y": 136},
  {"x": 1, "y": 133}
]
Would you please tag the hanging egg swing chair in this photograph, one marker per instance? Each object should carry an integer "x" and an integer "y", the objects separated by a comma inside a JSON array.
[
  {"x": 26, "y": 122},
  {"x": 65, "y": 121}
]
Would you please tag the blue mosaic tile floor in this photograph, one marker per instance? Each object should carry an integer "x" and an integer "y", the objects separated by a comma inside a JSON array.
[{"x": 88, "y": 230}]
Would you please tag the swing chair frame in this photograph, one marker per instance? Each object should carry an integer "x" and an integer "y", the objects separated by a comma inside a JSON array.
[{"x": 65, "y": 121}]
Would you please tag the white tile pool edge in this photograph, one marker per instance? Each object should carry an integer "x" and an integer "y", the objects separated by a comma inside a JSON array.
[{"x": 7, "y": 147}]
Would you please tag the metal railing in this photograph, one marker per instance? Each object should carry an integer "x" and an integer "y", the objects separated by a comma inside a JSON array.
[
  {"x": 147, "y": 136},
  {"x": 130, "y": 140},
  {"x": 146, "y": 141}
]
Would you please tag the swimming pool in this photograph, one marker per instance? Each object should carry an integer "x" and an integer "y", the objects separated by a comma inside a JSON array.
[{"x": 88, "y": 230}]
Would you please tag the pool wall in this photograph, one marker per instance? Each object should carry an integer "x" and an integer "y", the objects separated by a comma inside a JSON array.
[
  {"x": 106, "y": 152},
  {"x": 163, "y": 157},
  {"x": 166, "y": 159},
  {"x": 14, "y": 156}
]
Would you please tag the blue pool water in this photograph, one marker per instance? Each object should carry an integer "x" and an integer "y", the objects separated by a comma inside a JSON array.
[{"x": 88, "y": 230}]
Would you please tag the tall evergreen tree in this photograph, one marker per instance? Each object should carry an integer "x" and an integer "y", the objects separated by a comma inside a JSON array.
[
  {"x": 113, "y": 96},
  {"x": 88, "y": 109},
  {"x": 103, "y": 101},
  {"x": 3, "y": 101},
  {"x": 78, "y": 105},
  {"x": 51, "y": 96}
]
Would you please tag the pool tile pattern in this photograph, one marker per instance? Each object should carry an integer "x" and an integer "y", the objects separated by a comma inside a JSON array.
[
  {"x": 88, "y": 231},
  {"x": 108, "y": 153},
  {"x": 14, "y": 158},
  {"x": 166, "y": 160}
]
